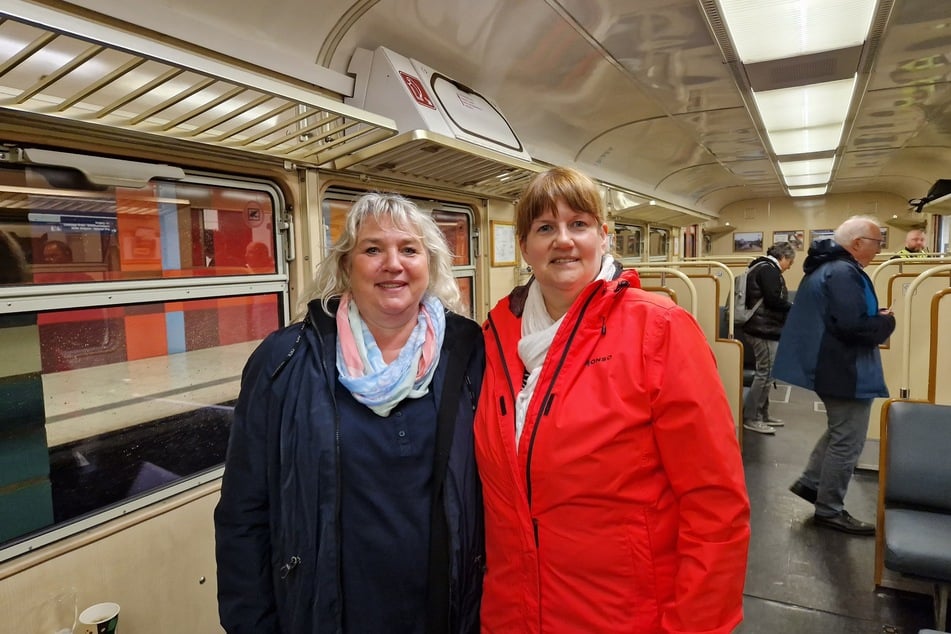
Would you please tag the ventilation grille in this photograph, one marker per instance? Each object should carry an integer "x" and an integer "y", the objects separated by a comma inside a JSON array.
[
  {"x": 804, "y": 69},
  {"x": 719, "y": 31}
]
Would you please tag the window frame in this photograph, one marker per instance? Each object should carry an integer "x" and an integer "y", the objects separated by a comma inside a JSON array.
[{"x": 44, "y": 297}]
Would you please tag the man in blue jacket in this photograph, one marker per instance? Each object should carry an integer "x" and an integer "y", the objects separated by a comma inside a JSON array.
[{"x": 830, "y": 345}]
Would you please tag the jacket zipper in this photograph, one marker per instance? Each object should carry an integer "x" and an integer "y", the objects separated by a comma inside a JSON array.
[
  {"x": 548, "y": 400},
  {"x": 331, "y": 388},
  {"x": 505, "y": 367}
]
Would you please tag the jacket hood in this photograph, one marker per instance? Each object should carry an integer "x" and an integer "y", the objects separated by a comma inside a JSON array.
[
  {"x": 762, "y": 258},
  {"x": 824, "y": 251}
]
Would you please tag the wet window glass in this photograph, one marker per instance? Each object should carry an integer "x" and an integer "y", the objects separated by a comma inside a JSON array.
[
  {"x": 71, "y": 232},
  {"x": 113, "y": 394},
  {"x": 659, "y": 243},
  {"x": 628, "y": 240}
]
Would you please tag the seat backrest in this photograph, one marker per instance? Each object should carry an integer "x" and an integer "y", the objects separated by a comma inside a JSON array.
[
  {"x": 749, "y": 359},
  {"x": 918, "y": 455}
]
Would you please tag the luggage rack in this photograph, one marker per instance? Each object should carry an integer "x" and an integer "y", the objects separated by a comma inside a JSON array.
[{"x": 123, "y": 81}]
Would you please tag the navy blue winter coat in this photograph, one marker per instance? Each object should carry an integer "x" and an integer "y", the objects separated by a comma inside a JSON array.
[
  {"x": 830, "y": 341},
  {"x": 277, "y": 522}
]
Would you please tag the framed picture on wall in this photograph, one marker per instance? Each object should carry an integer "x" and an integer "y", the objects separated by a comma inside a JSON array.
[
  {"x": 820, "y": 234},
  {"x": 884, "y": 238},
  {"x": 503, "y": 243},
  {"x": 795, "y": 238},
  {"x": 748, "y": 241}
]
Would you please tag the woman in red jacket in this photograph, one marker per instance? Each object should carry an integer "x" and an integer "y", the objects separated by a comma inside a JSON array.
[{"x": 613, "y": 483}]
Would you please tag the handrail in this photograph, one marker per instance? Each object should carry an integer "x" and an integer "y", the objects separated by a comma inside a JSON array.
[
  {"x": 686, "y": 280},
  {"x": 899, "y": 261},
  {"x": 905, "y": 389},
  {"x": 709, "y": 263}
]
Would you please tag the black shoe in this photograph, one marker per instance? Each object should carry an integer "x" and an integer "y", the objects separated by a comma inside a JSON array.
[
  {"x": 845, "y": 523},
  {"x": 800, "y": 489}
]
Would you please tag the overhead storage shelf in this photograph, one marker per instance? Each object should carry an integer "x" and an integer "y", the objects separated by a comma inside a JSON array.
[
  {"x": 443, "y": 161},
  {"x": 123, "y": 81}
]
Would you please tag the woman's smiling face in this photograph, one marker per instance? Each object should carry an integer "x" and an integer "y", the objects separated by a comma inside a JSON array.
[
  {"x": 389, "y": 273},
  {"x": 564, "y": 248}
]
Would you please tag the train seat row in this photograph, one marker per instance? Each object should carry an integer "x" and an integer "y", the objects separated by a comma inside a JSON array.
[{"x": 914, "y": 504}]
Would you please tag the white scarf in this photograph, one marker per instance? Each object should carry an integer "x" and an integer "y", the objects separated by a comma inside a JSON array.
[{"x": 538, "y": 331}]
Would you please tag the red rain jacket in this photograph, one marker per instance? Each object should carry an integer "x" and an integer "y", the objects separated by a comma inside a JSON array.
[{"x": 625, "y": 508}]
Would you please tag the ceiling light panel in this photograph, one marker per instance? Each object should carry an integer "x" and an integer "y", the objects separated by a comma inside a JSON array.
[
  {"x": 808, "y": 191},
  {"x": 808, "y": 179},
  {"x": 762, "y": 30},
  {"x": 805, "y": 141},
  {"x": 805, "y": 106},
  {"x": 804, "y": 168}
]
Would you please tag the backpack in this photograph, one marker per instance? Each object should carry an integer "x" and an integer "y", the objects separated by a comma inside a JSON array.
[{"x": 742, "y": 312}]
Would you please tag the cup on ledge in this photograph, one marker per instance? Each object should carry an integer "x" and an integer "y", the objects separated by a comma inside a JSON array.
[{"x": 102, "y": 618}]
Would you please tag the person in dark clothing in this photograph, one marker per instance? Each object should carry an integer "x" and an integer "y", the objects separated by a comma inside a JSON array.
[
  {"x": 765, "y": 281},
  {"x": 350, "y": 500},
  {"x": 830, "y": 345}
]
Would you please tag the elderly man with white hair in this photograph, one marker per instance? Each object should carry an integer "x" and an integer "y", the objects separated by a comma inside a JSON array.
[{"x": 830, "y": 345}]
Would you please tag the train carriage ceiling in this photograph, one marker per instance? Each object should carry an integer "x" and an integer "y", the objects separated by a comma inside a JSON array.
[{"x": 644, "y": 94}]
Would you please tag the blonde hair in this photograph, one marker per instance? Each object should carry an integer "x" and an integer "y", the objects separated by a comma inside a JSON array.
[{"x": 333, "y": 278}]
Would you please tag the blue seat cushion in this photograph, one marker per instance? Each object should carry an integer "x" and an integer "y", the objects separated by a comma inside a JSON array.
[{"x": 918, "y": 543}]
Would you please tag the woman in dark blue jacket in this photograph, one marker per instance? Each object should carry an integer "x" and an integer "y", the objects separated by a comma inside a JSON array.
[{"x": 350, "y": 500}]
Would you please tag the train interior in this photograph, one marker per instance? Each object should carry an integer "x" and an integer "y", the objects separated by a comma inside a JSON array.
[{"x": 171, "y": 172}]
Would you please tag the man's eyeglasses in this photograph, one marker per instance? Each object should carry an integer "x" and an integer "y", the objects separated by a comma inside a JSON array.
[{"x": 881, "y": 243}]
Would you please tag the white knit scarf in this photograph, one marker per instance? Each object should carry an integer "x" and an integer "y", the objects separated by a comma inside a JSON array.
[{"x": 538, "y": 331}]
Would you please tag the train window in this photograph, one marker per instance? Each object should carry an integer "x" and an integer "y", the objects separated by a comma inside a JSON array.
[
  {"x": 124, "y": 341},
  {"x": 628, "y": 240},
  {"x": 659, "y": 243},
  {"x": 71, "y": 232},
  {"x": 691, "y": 249},
  {"x": 943, "y": 231},
  {"x": 454, "y": 221}
]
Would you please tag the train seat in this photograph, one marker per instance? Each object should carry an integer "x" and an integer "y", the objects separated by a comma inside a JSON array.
[
  {"x": 915, "y": 497},
  {"x": 749, "y": 361}
]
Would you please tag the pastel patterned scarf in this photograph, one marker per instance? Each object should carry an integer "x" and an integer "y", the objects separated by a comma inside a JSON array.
[{"x": 373, "y": 382}]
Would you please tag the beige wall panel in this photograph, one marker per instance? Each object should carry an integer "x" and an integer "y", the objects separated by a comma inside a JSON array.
[
  {"x": 500, "y": 279},
  {"x": 806, "y": 214},
  {"x": 151, "y": 563}
]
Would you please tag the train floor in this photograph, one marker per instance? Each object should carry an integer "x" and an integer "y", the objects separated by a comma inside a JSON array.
[{"x": 803, "y": 578}]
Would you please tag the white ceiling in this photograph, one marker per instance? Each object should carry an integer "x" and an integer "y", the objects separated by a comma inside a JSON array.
[{"x": 645, "y": 94}]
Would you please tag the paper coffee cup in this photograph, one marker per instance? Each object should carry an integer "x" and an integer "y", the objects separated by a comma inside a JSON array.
[{"x": 102, "y": 618}]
